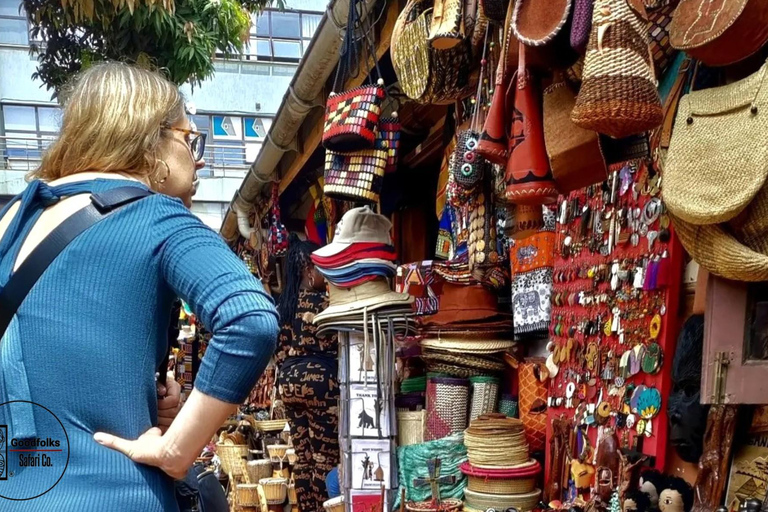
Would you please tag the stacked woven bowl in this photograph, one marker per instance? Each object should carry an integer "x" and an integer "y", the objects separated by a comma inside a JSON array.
[{"x": 500, "y": 472}]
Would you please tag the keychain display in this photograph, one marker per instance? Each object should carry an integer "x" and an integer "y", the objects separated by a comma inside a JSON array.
[{"x": 611, "y": 300}]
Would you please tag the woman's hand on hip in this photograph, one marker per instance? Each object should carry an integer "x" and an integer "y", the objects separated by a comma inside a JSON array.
[{"x": 150, "y": 448}]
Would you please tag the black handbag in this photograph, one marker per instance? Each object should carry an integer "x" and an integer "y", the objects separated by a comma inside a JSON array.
[{"x": 200, "y": 491}]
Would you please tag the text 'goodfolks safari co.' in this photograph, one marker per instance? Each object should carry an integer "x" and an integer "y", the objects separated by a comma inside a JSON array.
[{"x": 35, "y": 452}]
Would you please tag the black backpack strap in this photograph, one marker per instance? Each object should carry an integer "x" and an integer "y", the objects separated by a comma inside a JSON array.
[{"x": 21, "y": 282}]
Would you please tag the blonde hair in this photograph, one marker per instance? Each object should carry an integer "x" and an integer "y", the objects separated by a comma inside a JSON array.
[{"x": 112, "y": 122}]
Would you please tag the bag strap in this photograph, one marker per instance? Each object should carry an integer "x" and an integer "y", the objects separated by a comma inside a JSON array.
[{"x": 21, "y": 282}]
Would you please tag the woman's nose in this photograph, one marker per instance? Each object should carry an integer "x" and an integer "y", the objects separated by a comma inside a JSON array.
[{"x": 200, "y": 164}]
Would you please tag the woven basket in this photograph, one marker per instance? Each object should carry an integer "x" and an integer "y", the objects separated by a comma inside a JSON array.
[
  {"x": 484, "y": 501},
  {"x": 485, "y": 394},
  {"x": 502, "y": 481},
  {"x": 501, "y": 486},
  {"x": 270, "y": 425},
  {"x": 618, "y": 95},
  {"x": 410, "y": 427},
  {"x": 447, "y": 402},
  {"x": 232, "y": 457},
  {"x": 247, "y": 495},
  {"x": 258, "y": 469}
]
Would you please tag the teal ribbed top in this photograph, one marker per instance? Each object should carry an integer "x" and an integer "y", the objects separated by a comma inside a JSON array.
[{"x": 87, "y": 341}]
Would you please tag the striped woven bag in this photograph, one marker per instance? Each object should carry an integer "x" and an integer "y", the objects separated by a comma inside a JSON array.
[{"x": 618, "y": 95}]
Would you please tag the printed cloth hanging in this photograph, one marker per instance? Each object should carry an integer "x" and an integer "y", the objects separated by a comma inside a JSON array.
[{"x": 533, "y": 261}]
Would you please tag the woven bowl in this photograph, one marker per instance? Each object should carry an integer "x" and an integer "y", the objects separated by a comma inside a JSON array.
[{"x": 483, "y": 501}]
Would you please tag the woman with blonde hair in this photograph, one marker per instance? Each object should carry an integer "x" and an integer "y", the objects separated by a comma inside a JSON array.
[{"x": 86, "y": 341}]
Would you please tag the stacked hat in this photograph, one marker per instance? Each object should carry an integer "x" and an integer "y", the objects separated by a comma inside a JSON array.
[
  {"x": 357, "y": 264},
  {"x": 500, "y": 472},
  {"x": 466, "y": 335},
  {"x": 360, "y": 252}
]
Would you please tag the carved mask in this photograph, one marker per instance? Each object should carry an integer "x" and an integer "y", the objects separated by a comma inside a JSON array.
[
  {"x": 582, "y": 474},
  {"x": 687, "y": 416},
  {"x": 629, "y": 506},
  {"x": 604, "y": 483}
]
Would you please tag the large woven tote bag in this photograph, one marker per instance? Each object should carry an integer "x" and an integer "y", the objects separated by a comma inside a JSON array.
[
  {"x": 618, "y": 95},
  {"x": 714, "y": 165}
]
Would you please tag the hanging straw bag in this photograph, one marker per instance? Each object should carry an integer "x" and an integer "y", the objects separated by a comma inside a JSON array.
[
  {"x": 427, "y": 75},
  {"x": 447, "y": 28},
  {"x": 714, "y": 166},
  {"x": 574, "y": 153},
  {"x": 618, "y": 95},
  {"x": 352, "y": 117},
  {"x": 582, "y": 25}
]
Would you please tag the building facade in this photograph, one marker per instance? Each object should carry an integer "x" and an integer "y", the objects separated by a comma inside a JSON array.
[{"x": 235, "y": 107}]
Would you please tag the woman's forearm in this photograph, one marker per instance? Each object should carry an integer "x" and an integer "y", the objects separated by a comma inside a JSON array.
[{"x": 192, "y": 429}]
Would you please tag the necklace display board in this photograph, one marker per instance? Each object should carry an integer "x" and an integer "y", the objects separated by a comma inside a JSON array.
[{"x": 614, "y": 321}]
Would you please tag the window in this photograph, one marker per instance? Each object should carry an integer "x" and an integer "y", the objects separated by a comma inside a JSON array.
[
  {"x": 13, "y": 23},
  {"x": 27, "y": 132},
  {"x": 281, "y": 36},
  {"x": 233, "y": 141}
]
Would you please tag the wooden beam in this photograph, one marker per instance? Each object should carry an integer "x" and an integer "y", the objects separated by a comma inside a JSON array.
[{"x": 310, "y": 143}]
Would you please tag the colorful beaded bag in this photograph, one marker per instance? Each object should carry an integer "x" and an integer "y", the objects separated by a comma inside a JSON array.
[
  {"x": 352, "y": 117},
  {"x": 358, "y": 176}
]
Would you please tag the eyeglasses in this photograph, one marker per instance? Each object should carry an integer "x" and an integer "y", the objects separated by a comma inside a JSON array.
[{"x": 196, "y": 141}]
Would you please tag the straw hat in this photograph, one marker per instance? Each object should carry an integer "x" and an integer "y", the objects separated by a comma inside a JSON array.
[
  {"x": 373, "y": 295},
  {"x": 467, "y": 360},
  {"x": 736, "y": 250},
  {"x": 488, "y": 346}
]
